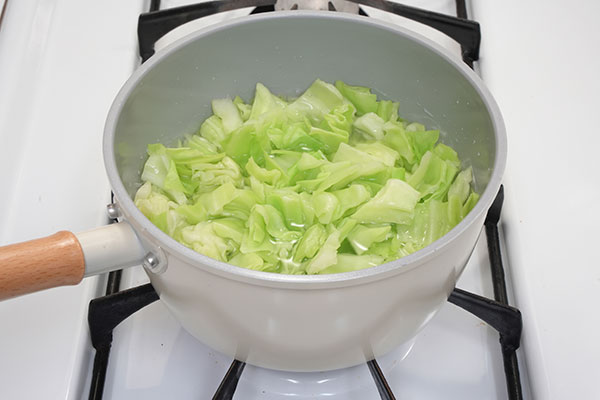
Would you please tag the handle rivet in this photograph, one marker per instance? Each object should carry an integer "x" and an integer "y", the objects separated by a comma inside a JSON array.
[
  {"x": 113, "y": 211},
  {"x": 154, "y": 263}
]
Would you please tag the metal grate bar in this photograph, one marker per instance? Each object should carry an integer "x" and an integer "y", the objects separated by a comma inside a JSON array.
[
  {"x": 385, "y": 392},
  {"x": 466, "y": 32},
  {"x": 461, "y": 12},
  {"x": 226, "y": 389},
  {"x": 154, "y": 5},
  {"x": 155, "y": 24},
  {"x": 104, "y": 314},
  {"x": 503, "y": 318},
  {"x": 262, "y": 9},
  {"x": 508, "y": 346}
]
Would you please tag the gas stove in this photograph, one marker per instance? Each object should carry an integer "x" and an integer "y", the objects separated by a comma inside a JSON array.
[
  {"x": 63, "y": 62},
  {"x": 110, "y": 313},
  {"x": 152, "y": 356}
]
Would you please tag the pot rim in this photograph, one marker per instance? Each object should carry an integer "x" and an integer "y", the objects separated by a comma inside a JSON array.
[{"x": 403, "y": 264}]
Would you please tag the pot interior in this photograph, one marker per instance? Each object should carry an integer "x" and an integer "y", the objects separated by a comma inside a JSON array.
[{"x": 170, "y": 96}]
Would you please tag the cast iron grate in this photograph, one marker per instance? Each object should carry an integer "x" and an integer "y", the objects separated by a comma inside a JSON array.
[
  {"x": 156, "y": 23},
  {"x": 105, "y": 313}
]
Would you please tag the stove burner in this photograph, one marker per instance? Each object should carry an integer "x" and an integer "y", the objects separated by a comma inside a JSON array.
[{"x": 105, "y": 313}]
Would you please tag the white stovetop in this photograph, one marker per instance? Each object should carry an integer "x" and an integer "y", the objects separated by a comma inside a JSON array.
[
  {"x": 541, "y": 61},
  {"x": 62, "y": 62}
]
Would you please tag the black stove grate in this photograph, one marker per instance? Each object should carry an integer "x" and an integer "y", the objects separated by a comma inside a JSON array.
[
  {"x": 508, "y": 345},
  {"x": 156, "y": 23},
  {"x": 105, "y": 313}
]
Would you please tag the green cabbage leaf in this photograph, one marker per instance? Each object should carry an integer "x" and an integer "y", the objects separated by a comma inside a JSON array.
[{"x": 332, "y": 181}]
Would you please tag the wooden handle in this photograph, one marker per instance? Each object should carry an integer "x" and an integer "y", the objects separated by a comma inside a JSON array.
[{"x": 44, "y": 263}]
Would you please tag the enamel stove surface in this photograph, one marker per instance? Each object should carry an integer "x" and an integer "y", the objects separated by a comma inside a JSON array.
[{"x": 60, "y": 75}]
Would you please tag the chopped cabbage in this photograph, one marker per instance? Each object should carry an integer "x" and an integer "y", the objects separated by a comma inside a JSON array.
[{"x": 333, "y": 181}]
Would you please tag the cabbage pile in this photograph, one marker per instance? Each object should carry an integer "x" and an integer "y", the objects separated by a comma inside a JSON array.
[{"x": 332, "y": 181}]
